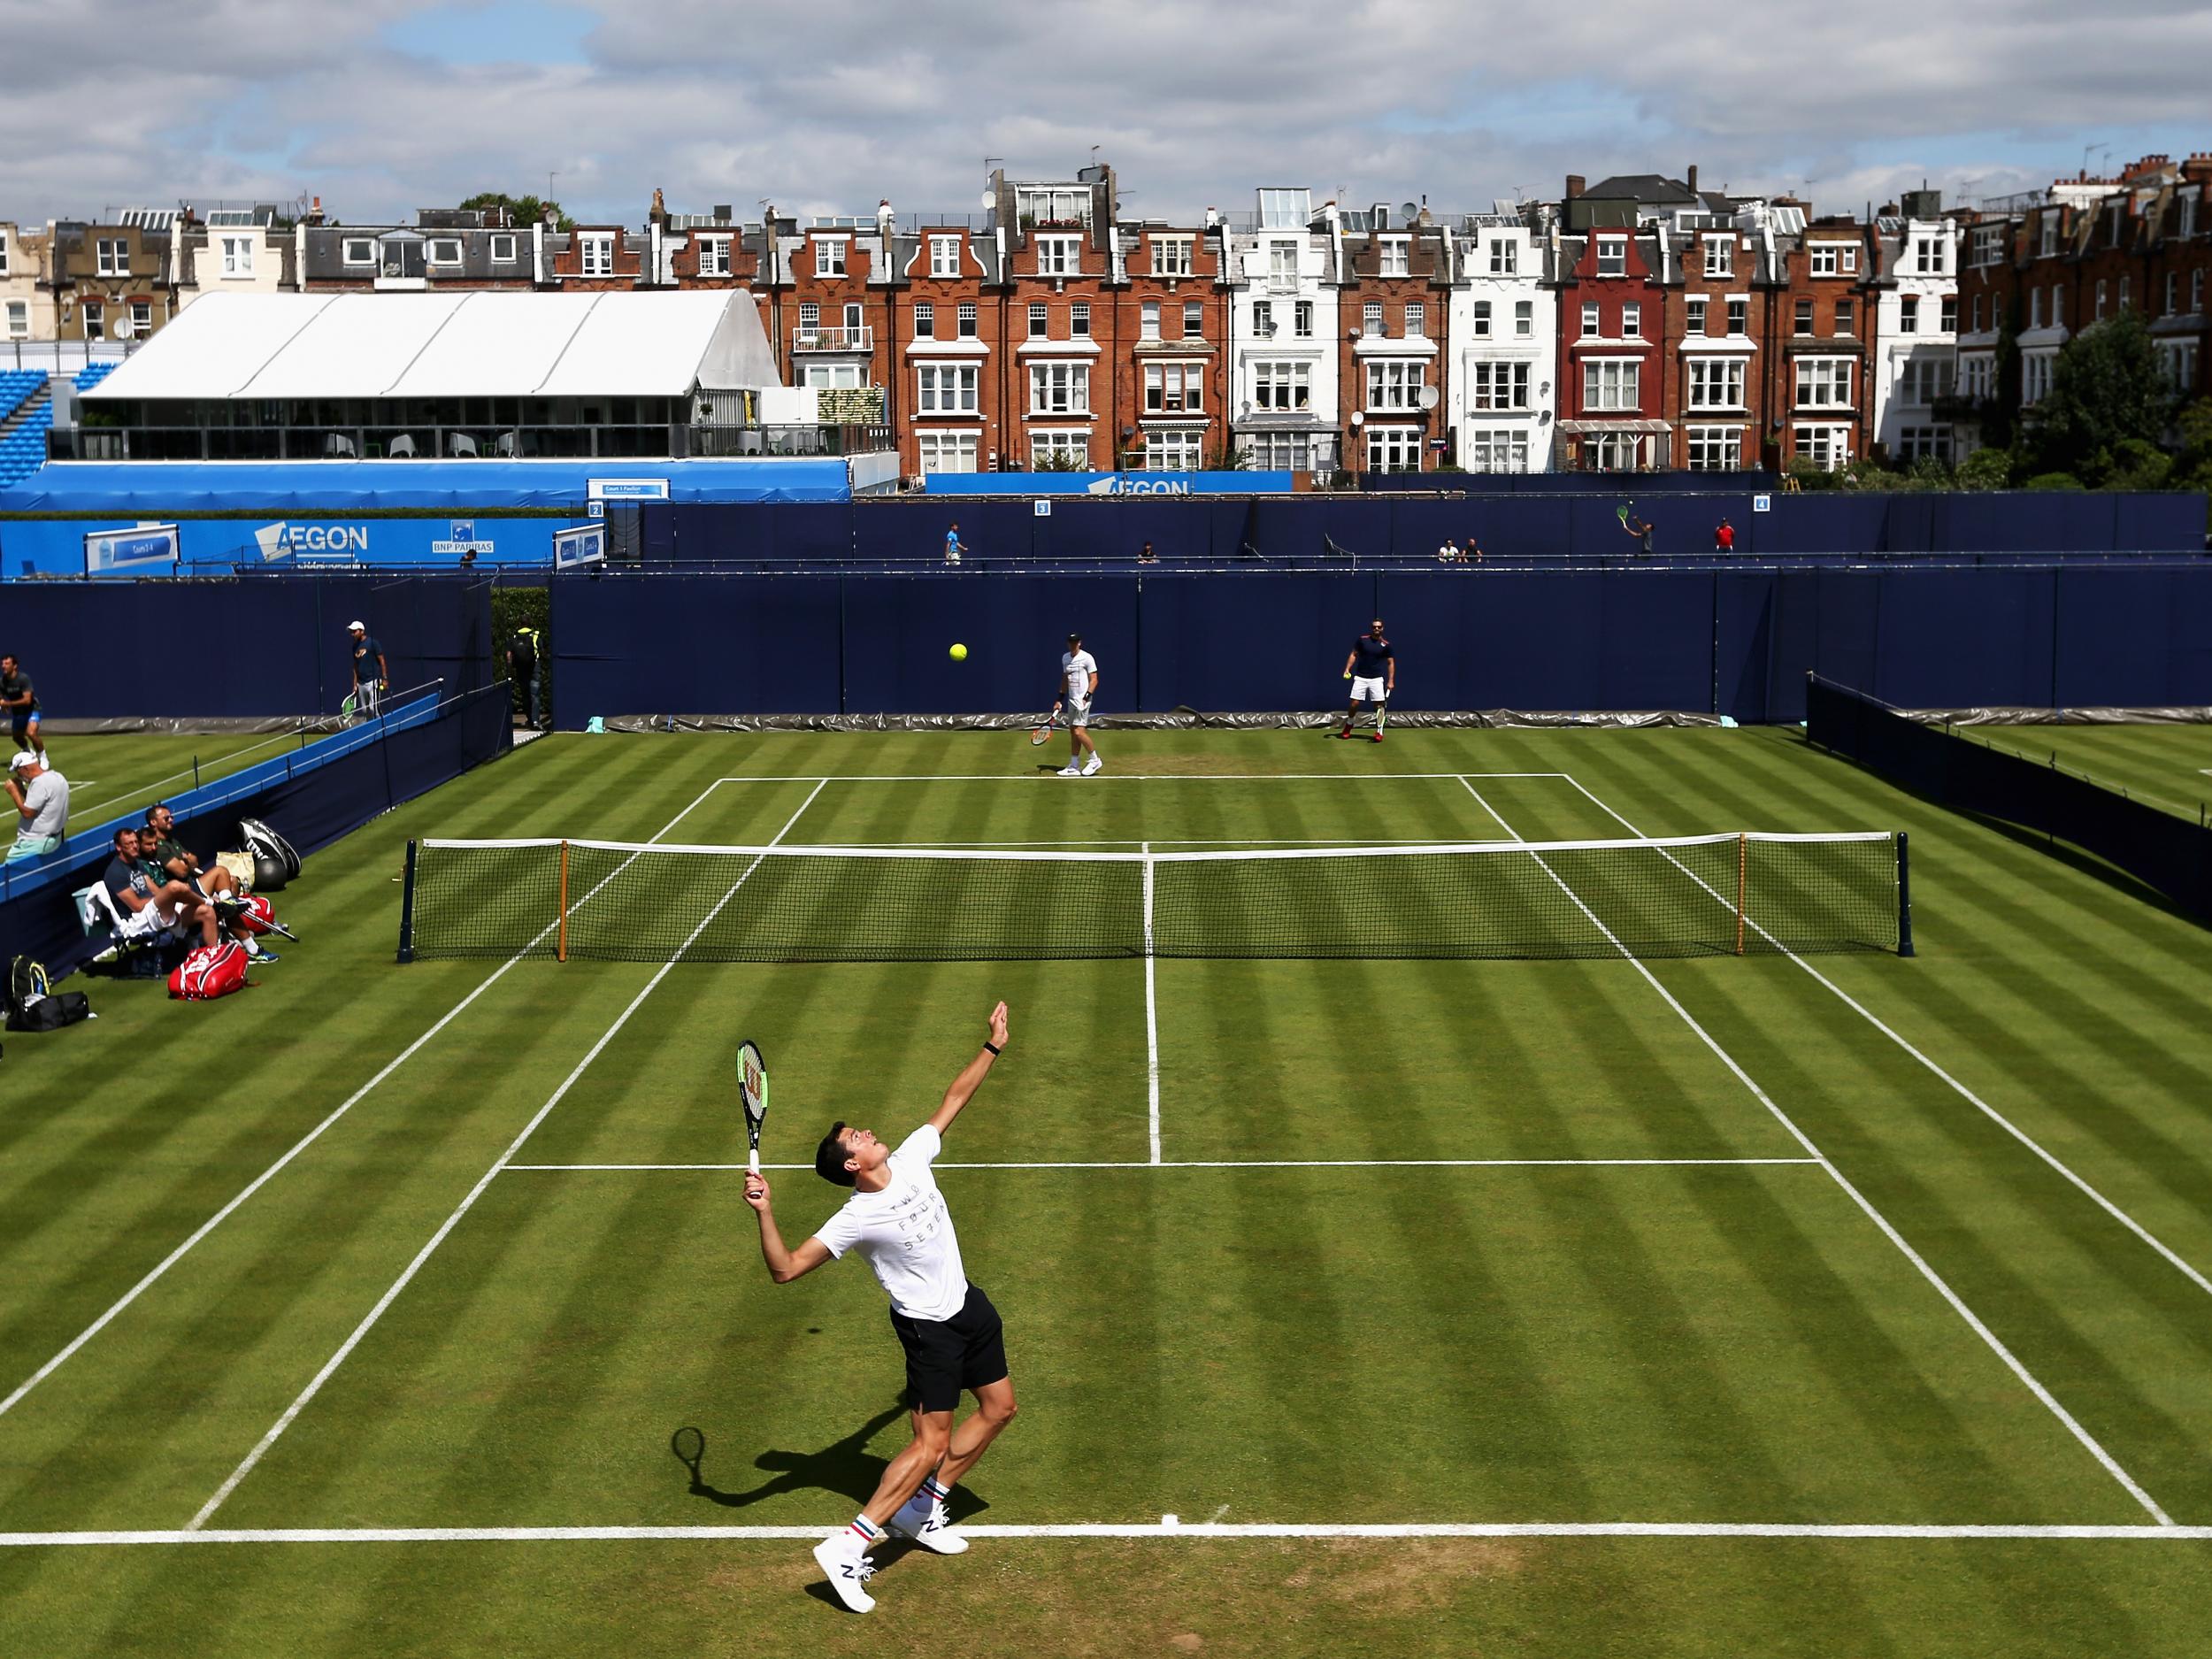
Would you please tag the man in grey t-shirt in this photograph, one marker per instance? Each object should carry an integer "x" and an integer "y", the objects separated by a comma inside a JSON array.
[{"x": 41, "y": 803}]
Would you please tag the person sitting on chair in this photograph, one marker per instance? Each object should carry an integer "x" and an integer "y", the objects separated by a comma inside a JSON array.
[{"x": 149, "y": 909}]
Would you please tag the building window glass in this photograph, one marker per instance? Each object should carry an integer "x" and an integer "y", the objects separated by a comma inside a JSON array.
[
  {"x": 829, "y": 257},
  {"x": 1194, "y": 319},
  {"x": 1282, "y": 386},
  {"x": 1505, "y": 260},
  {"x": 1720, "y": 256},
  {"x": 967, "y": 319},
  {"x": 947, "y": 389},
  {"x": 1290, "y": 451},
  {"x": 1080, "y": 319},
  {"x": 1174, "y": 451},
  {"x": 598, "y": 256},
  {"x": 1612, "y": 256},
  {"x": 1060, "y": 450},
  {"x": 1694, "y": 315},
  {"x": 944, "y": 256},
  {"x": 1482, "y": 320},
  {"x": 113, "y": 256},
  {"x": 1394, "y": 386},
  {"x": 924, "y": 321},
  {"x": 442, "y": 250},
  {"x": 1170, "y": 256},
  {"x": 1611, "y": 452},
  {"x": 1370, "y": 316},
  {"x": 1612, "y": 383},
  {"x": 1148, "y": 320},
  {"x": 1590, "y": 325},
  {"x": 141, "y": 316},
  {"x": 1843, "y": 316},
  {"x": 18, "y": 319},
  {"x": 1716, "y": 449},
  {"x": 1909, "y": 314},
  {"x": 1717, "y": 382},
  {"x": 1416, "y": 319},
  {"x": 1827, "y": 448},
  {"x": 946, "y": 451},
  {"x": 1301, "y": 320},
  {"x": 1059, "y": 255},
  {"x": 1947, "y": 313},
  {"x": 714, "y": 254},
  {"x": 1393, "y": 256},
  {"x": 95, "y": 323},
  {"x": 1394, "y": 448},
  {"x": 1059, "y": 389},
  {"x": 1172, "y": 389},
  {"x": 1497, "y": 450},
  {"x": 359, "y": 250},
  {"x": 1739, "y": 317},
  {"x": 1524, "y": 318},
  {"x": 1804, "y": 321},
  {"x": 1040, "y": 319},
  {"x": 1823, "y": 382},
  {"x": 1631, "y": 321},
  {"x": 1499, "y": 386},
  {"x": 1263, "y": 320}
]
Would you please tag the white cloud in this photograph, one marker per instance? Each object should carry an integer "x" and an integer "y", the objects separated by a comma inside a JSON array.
[{"x": 1195, "y": 103}]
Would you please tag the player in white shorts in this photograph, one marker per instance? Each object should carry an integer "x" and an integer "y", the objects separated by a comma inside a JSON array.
[
  {"x": 897, "y": 1222},
  {"x": 1079, "y": 683},
  {"x": 1372, "y": 668}
]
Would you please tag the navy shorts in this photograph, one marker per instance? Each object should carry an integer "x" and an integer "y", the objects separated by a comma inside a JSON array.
[{"x": 944, "y": 1357}]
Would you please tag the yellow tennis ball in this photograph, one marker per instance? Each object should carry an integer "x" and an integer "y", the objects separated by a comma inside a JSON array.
[{"x": 959, "y": 653}]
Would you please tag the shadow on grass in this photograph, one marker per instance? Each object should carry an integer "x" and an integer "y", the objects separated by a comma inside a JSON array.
[{"x": 845, "y": 1466}]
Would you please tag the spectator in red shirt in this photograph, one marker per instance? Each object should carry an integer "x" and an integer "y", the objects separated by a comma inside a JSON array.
[{"x": 1724, "y": 537}]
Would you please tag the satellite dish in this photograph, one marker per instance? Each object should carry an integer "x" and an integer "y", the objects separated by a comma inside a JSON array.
[
  {"x": 989, "y": 200},
  {"x": 124, "y": 327},
  {"x": 1409, "y": 212},
  {"x": 1358, "y": 419},
  {"x": 1430, "y": 396}
]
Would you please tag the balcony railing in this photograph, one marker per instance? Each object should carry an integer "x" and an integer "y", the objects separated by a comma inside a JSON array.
[{"x": 860, "y": 338}]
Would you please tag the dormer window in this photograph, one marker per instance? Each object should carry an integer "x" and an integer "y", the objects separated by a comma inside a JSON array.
[
  {"x": 1059, "y": 255},
  {"x": 829, "y": 257},
  {"x": 1612, "y": 256},
  {"x": 1720, "y": 256},
  {"x": 1394, "y": 256}
]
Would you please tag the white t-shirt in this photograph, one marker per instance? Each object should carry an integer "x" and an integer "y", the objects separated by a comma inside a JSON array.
[
  {"x": 1079, "y": 669},
  {"x": 905, "y": 1234},
  {"x": 48, "y": 797}
]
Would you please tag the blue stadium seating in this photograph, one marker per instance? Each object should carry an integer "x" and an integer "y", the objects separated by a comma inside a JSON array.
[{"x": 23, "y": 451}]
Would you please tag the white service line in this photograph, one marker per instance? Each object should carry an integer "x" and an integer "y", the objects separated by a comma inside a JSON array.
[
  {"x": 1166, "y": 1528},
  {"x": 2119, "y": 1215},
  {"x": 1151, "y": 1017},
  {"x": 246, "y": 1466},
  {"x": 1235, "y": 1163},
  {"x": 311, "y": 1136},
  {"x": 1996, "y": 1346}
]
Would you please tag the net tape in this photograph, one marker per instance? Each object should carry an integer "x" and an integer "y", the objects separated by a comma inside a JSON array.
[{"x": 1720, "y": 894}]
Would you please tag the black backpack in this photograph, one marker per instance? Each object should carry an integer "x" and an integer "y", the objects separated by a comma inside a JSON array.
[{"x": 31, "y": 1007}]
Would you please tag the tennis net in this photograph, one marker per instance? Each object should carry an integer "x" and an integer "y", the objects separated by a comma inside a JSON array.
[{"x": 1696, "y": 896}]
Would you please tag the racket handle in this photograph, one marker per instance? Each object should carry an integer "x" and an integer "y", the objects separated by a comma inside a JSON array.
[{"x": 752, "y": 1160}]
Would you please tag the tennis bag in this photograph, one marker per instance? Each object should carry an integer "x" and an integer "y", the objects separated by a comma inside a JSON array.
[
  {"x": 31, "y": 1007},
  {"x": 211, "y": 972},
  {"x": 274, "y": 862},
  {"x": 255, "y": 915}
]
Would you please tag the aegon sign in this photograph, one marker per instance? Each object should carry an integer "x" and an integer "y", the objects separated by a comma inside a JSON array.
[{"x": 282, "y": 541}]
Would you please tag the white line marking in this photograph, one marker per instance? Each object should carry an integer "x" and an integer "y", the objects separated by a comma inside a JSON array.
[
  {"x": 1118, "y": 776},
  {"x": 2119, "y": 1215},
  {"x": 1238, "y": 1163},
  {"x": 84, "y": 815},
  {"x": 1151, "y": 1016},
  {"x": 246, "y": 1467},
  {"x": 1167, "y": 1526},
  {"x": 2089, "y": 1442},
  {"x": 306, "y": 1141}
]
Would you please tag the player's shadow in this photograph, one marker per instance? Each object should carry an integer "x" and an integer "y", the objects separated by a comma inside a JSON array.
[{"x": 845, "y": 1466}]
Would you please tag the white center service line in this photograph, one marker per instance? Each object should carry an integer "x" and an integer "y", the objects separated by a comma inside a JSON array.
[
  {"x": 1165, "y": 1527},
  {"x": 1996, "y": 1346},
  {"x": 1151, "y": 1016},
  {"x": 246, "y": 1467},
  {"x": 314, "y": 1135},
  {"x": 2172, "y": 1257}
]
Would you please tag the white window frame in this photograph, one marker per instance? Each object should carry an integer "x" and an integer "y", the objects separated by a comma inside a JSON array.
[
  {"x": 1713, "y": 449},
  {"x": 95, "y": 320},
  {"x": 503, "y": 247},
  {"x": 2047, "y": 232},
  {"x": 925, "y": 319},
  {"x": 1171, "y": 256},
  {"x": 1263, "y": 321},
  {"x": 112, "y": 255},
  {"x": 1079, "y": 319},
  {"x": 1397, "y": 257},
  {"x": 358, "y": 250},
  {"x": 18, "y": 319},
  {"x": 1394, "y": 448},
  {"x": 714, "y": 254},
  {"x": 596, "y": 252},
  {"x": 1695, "y": 310},
  {"x": 1724, "y": 247},
  {"x": 1592, "y": 323},
  {"x": 441, "y": 250},
  {"x": 1496, "y": 384},
  {"x": 1148, "y": 320},
  {"x": 1282, "y": 385},
  {"x": 1416, "y": 319},
  {"x": 237, "y": 256},
  {"x": 1059, "y": 443},
  {"x": 1174, "y": 451},
  {"x": 1612, "y": 385},
  {"x": 1370, "y": 319},
  {"x": 1922, "y": 442},
  {"x": 1497, "y": 450},
  {"x": 1175, "y": 388},
  {"x": 1302, "y": 320},
  {"x": 1059, "y": 255},
  {"x": 1505, "y": 260},
  {"x": 946, "y": 389},
  {"x": 1825, "y": 445},
  {"x": 1804, "y": 317},
  {"x": 1825, "y": 383},
  {"x": 1040, "y": 320},
  {"x": 1631, "y": 320},
  {"x": 966, "y": 320},
  {"x": 4, "y": 255},
  {"x": 1908, "y": 313},
  {"x": 829, "y": 256},
  {"x": 1482, "y": 320},
  {"x": 141, "y": 316},
  {"x": 1716, "y": 383},
  {"x": 1524, "y": 319},
  {"x": 936, "y": 449},
  {"x": 1612, "y": 256},
  {"x": 1394, "y": 384},
  {"x": 1612, "y": 451},
  {"x": 1282, "y": 265},
  {"x": 1739, "y": 319},
  {"x": 1059, "y": 389},
  {"x": 944, "y": 257},
  {"x": 1928, "y": 258}
]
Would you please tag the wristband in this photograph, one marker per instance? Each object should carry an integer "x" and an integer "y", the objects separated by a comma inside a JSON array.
[{"x": 993, "y": 1047}]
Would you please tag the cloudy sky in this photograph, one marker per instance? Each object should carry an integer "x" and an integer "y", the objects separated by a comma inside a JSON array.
[{"x": 381, "y": 106}]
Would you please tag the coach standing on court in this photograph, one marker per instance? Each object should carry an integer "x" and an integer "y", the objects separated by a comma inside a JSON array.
[
  {"x": 1372, "y": 668},
  {"x": 368, "y": 686}
]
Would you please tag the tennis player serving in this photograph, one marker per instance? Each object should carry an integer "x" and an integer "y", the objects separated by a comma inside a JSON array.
[
  {"x": 1372, "y": 668},
  {"x": 896, "y": 1219}
]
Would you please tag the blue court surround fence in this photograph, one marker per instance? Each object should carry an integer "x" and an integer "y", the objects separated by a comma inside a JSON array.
[{"x": 1713, "y": 641}]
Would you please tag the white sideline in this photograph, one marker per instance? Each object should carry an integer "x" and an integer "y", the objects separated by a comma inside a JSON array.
[
  {"x": 1996, "y": 1346},
  {"x": 1234, "y": 1164},
  {"x": 246, "y": 1466},
  {"x": 1162, "y": 1528},
  {"x": 308, "y": 1140},
  {"x": 1965, "y": 1092}
]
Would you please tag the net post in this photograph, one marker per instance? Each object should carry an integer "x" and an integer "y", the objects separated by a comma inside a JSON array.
[
  {"x": 1743, "y": 876},
  {"x": 407, "y": 906},
  {"x": 560, "y": 950},
  {"x": 1904, "y": 898}
]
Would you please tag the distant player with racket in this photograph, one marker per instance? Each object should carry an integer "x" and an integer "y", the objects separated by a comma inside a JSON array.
[
  {"x": 954, "y": 546},
  {"x": 1372, "y": 668},
  {"x": 1078, "y": 684},
  {"x": 897, "y": 1220},
  {"x": 368, "y": 683}
]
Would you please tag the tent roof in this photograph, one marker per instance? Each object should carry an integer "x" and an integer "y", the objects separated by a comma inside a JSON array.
[{"x": 476, "y": 344}]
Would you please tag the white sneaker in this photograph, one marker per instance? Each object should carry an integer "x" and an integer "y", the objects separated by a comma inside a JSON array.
[
  {"x": 931, "y": 1531},
  {"x": 1070, "y": 770},
  {"x": 1093, "y": 764},
  {"x": 848, "y": 1571}
]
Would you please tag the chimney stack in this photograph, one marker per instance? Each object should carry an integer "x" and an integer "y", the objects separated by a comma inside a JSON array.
[
  {"x": 1692, "y": 180},
  {"x": 1575, "y": 183}
]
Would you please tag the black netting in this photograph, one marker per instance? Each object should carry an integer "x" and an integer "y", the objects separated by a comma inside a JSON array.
[{"x": 1705, "y": 896}]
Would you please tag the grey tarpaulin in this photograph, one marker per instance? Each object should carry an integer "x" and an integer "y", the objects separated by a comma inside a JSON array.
[{"x": 1180, "y": 719}]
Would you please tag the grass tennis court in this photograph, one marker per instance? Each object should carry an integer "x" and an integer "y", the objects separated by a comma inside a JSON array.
[
  {"x": 2165, "y": 767},
  {"x": 1841, "y": 1305},
  {"x": 112, "y": 773}
]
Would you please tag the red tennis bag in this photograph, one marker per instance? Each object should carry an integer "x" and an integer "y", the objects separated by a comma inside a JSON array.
[
  {"x": 257, "y": 916},
  {"x": 211, "y": 972}
]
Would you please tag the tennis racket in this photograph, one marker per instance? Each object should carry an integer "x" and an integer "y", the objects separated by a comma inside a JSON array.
[
  {"x": 345, "y": 709},
  {"x": 752, "y": 1088},
  {"x": 1053, "y": 723}
]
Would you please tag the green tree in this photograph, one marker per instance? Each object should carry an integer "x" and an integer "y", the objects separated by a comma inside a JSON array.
[
  {"x": 2105, "y": 389},
  {"x": 1987, "y": 469},
  {"x": 526, "y": 210}
]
